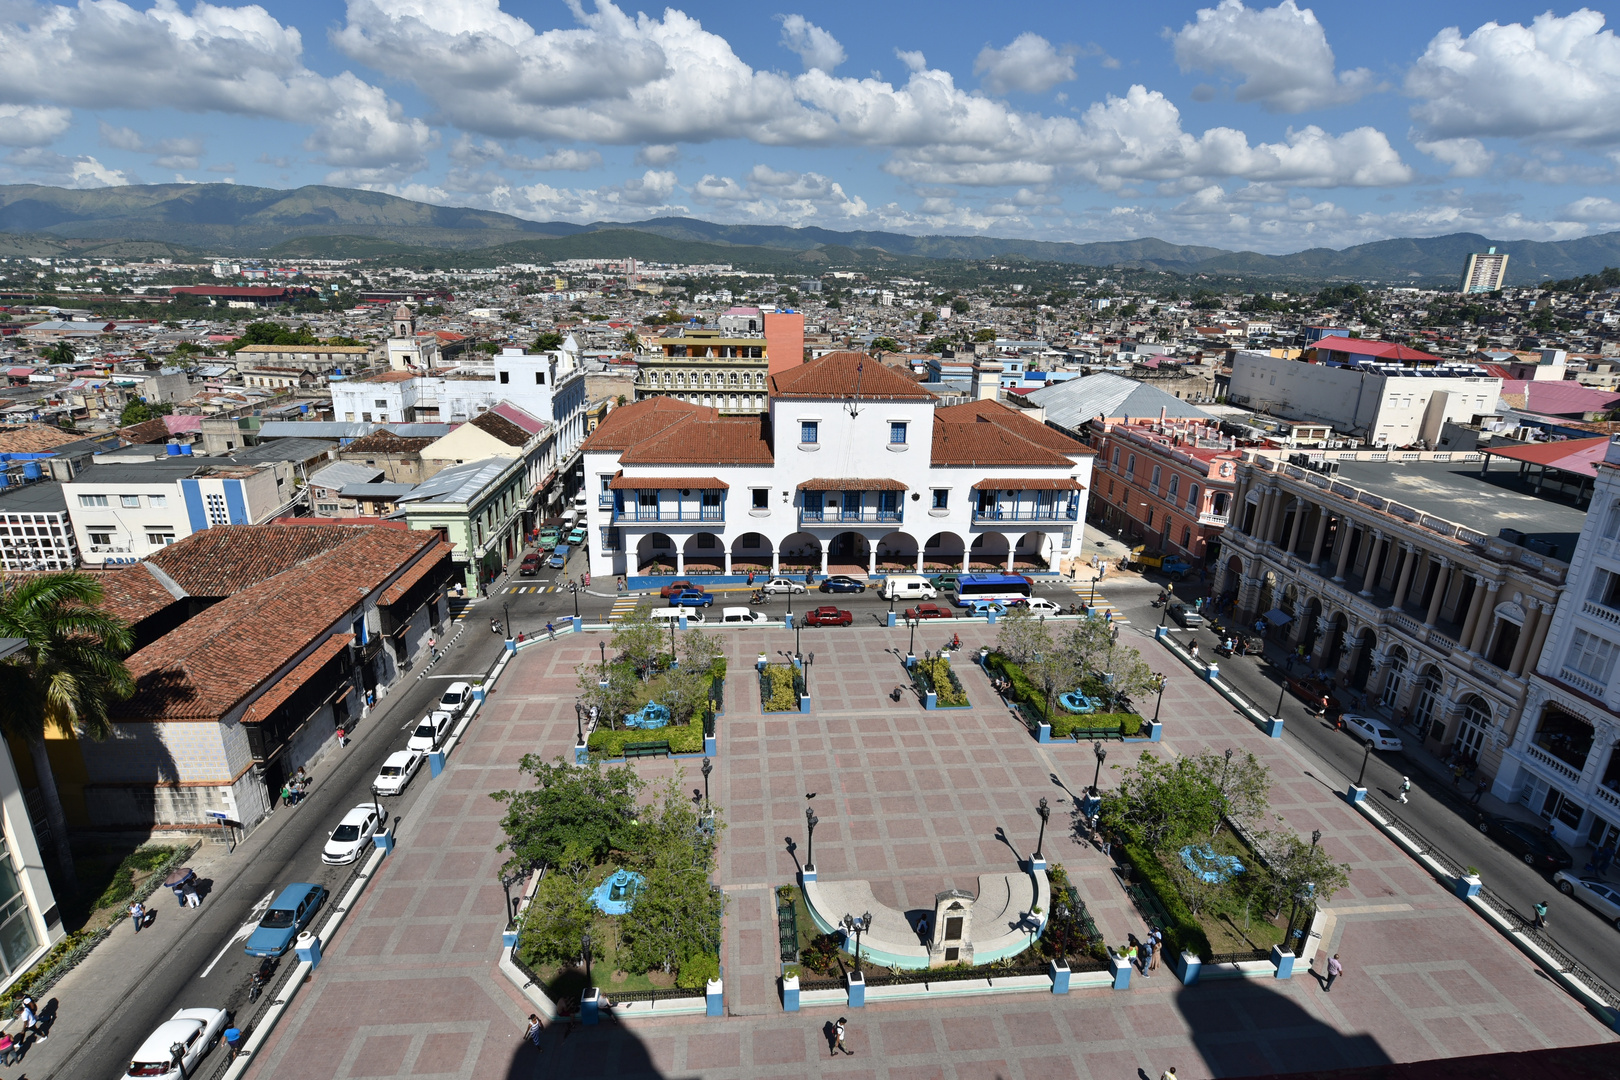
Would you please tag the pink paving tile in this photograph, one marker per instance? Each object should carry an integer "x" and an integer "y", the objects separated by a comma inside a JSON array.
[
  {"x": 368, "y": 941},
  {"x": 381, "y": 1055},
  {"x": 978, "y": 1034},
  {"x": 917, "y": 1072},
  {"x": 389, "y": 903},
  {"x": 782, "y": 1045},
  {"x": 714, "y": 1051},
  {"x": 442, "y": 1052},
  {"x": 906, "y": 1036},
  {"x": 1055, "y": 1067},
  {"x": 1121, "y": 1064}
]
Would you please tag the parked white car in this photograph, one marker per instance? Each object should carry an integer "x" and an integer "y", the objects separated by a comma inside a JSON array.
[
  {"x": 431, "y": 732},
  {"x": 353, "y": 834},
  {"x": 195, "y": 1029},
  {"x": 457, "y": 696},
  {"x": 1595, "y": 893},
  {"x": 781, "y": 585},
  {"x": 397, "y": 772},
  {"x": 1370, "y": 729},
  {"x": 1039, "y": 605},
  {"x": 742, "y": 616}
]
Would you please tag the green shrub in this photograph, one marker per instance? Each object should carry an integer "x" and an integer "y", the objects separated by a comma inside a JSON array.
[
  {"x": 682, "y": 738},
  {"x": 1183, "y": 934},
  {"x": 783, "y": 695},
  {"x": 695, "y": 971},
  {"x": 946, "y": 686},
  {"x": 1065, "y": 723},
  {"x": 1062, "y": 720},
  {"x": 122, "y": 886}
]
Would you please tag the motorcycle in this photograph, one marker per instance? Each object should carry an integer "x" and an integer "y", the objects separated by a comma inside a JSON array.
[
  {"x": 1161, "y": 600},
  {"x": 495, "y": 626},
  {"x": 261, "y": 978},
  {"x": 760, "y": 596}
]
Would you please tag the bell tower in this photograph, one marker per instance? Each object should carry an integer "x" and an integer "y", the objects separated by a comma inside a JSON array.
[{"x": 404, "y": 322}]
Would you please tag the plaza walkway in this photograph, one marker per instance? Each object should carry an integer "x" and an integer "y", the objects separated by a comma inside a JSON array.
[{"x": 915, "y": 802}]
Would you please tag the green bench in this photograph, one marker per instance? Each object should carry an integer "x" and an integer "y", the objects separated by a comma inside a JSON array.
[
  {"x": 646, "y": 749},
  {"x": 1100, "y": 734}
]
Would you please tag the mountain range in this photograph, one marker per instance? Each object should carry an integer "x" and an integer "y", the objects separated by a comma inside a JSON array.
[{"x": 320, "y": 221}]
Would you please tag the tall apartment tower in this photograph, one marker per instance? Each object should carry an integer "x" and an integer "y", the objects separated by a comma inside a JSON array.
[{"x": 1484, "y": 273}]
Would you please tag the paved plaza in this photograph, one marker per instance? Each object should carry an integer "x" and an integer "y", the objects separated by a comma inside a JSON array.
[{"x": 915, "y": 802}]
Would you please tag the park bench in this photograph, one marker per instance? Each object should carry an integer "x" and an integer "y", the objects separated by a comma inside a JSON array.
[{"x": 646, "y": 749}]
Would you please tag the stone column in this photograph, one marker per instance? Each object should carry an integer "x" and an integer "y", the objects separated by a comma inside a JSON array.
[
  {"x": 1352, "y": 653},
  {"x": 1476, "y": 604},
  {"x": 1374, "y": 560},
  {"x": 1248, "y": 596},
  {"x": 680, "y": 562},
  {"x": 823, "y": 560},
  {"x": 1322, "y": 516},
  {"x": 1240, "y": 492},
  {"x": 1532, "y": 657},
  {"x": 871, "y": 559},
  {"x": 1012, "y": 555},
  {"x": 728, "y": 562},
  {"x": 1482, "y": 631},
  {"x": 1324, "y": 631},
  {"x": 1347, "y": 530},
  {"x": 776, "y": 560},
  {"x": 1441, "y": 582},
  {"x": 1409, "y": 558},
  {"x": 1375, "y": 676},
  {"x": 1262, "y": 516},
  {"x": 1532, "y": 622},
  {"x": 1299, "y": 525}
]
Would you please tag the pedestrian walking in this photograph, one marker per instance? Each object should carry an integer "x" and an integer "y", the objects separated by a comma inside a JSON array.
[
  {"x": 838, "y": 1038},
  {"x": 1406, "y": 785},
  {"x": 233, "y": 1041},
  {"x": 1157, "y": 937},
  {"x": 8, "y": 1050},
  {"x": 551, "y": 631},
  {"x": 30, "y": 1021},
  {"x": 1193, "y": 649},
  {"x": 594, "y": 712},
  {"x": 1479, "y": 792},
  {"x": 342, "y": 736},
  {"x": 1334, "y": 970},
  {"x": 1147, "y": 957},
  {"x": 1168, "y": 1074},
  {"x": 137, "y": 914},
  {"x": 192, "y": 899},
  {"x": 534, "y": 1029},
  {"x": 1540, "y": 922}
]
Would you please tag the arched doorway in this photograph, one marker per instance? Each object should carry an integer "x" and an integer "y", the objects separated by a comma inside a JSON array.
[
  {"x": 799, "y": 552},
  {"x": 1364, "y": 659},
  {"x": 1030, "y": 553},
  {"x": 943, "y": 552},
  {"x": 1476, "y": 721},
  {"x": 705, "y": 554},
  {"x": 1395, "y": 675},
  {"x": 1308, "y": 623},
  {"x": 989, "y": 552},
  {"x": 1334, "y": 647},
  {"x": 1268, "y": 592},
  {"x": 1233, "y": 581},
  {"x": 847, "y": 553},
  {"x": 1290, "y": 599},
  {"x": 897, "y": 553},
  {"x": 1426, "y": 716},
  {"x": 655, "y": 554},
  {"x": 751, "y": 553}
]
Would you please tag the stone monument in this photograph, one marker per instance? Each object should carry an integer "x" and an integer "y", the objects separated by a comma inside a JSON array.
[{"x": 952, "y": 941}]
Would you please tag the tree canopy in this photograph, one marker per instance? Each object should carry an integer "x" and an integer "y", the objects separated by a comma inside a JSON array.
[
  {"x": 574, "y": 812},
  {"x": 269, "y": 333}
]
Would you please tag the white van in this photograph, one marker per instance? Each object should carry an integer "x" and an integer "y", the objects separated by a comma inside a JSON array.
[
  {"x": 673, "y": 614},
  {"x": 908, "y": 587},
  {"x": 741, "y": 616}
]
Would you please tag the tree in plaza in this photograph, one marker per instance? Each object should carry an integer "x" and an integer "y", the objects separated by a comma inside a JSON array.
[
  {"x": 556, "y": 919},
  {"x": 638, "y": 639},
  {"x": 1161, "y": 804},
  {"x": 1241, "y": 784},
  {"x": 67, "y": 676},
  {"x": 689, "y": 683},
  {"x": 574, "y": 812},
  {"x": 1298, "y": 870},
  {"x": 1021, "y": 637},
  {"x": 673, "y": 924}
]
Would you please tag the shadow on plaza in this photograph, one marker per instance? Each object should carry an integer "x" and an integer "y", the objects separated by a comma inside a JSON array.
[
  {"x": 570, "y": 1049},
  {"x": 1247, "y": 1027}
]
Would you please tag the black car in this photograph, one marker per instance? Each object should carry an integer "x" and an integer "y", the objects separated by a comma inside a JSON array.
[
  {"x": 1528, "y": 841},
  {"x": 841, "y": 583}
]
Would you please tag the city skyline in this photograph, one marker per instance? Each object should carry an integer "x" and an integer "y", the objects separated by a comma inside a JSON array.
[{"x": 1270, "y": 128}]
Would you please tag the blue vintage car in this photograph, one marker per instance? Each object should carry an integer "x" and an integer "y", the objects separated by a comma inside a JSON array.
[{"x": 289, "y": 913}]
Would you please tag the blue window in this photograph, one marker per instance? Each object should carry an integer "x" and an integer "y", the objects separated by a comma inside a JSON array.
[
  {"x": 942, "y": 498},
  {"x": 809, "y": 431},
  {"x": 897, "y": 433}
]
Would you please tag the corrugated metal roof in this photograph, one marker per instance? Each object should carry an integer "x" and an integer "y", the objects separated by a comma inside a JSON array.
[
  {"x": 1072, "y": 403},
  {"x": 458, "y": 483}
]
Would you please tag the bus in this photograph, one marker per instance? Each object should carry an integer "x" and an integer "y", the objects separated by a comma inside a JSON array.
[{"x": 1006, "y": 589}]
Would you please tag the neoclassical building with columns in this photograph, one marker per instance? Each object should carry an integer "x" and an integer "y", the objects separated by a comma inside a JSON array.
[{"x": 1427, "y": 584}]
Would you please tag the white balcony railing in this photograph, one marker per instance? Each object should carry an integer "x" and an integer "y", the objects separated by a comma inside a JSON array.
[
  {"x": 1598, "y": 611},
  {"x": 1582, "y": 683},
  {"x": 1557, "y": 765}
]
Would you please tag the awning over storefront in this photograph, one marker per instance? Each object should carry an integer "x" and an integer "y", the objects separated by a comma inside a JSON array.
[{"x": 1278, "y": 617}]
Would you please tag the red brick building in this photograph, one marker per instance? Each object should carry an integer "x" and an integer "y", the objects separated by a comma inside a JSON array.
[{"x": 1169, "y": 485}]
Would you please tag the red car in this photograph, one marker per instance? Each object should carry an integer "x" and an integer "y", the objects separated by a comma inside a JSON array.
[
  {"x": 827, "y": 615},
  {"x": 679, "y": 587},
  {"x": 929, "y": 611}
]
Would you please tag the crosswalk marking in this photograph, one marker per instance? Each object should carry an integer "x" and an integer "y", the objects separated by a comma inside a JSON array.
[
  {"x": 623, "y": 606},
  {"x": 1103, "y": 606}
]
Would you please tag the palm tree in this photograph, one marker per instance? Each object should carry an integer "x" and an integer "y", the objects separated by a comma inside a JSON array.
[{"x": 68, "y": 674}]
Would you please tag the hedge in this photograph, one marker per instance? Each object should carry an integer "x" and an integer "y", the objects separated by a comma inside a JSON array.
[
  {"x": 1183, "y": 934},
  {"x": 682, "y": 738},
  {"x": 1066, "y": 723},
  {"x": 1063, "y": 722},
  {"x": 939, "y": 677},
  {"x": 780, "y": 686}
]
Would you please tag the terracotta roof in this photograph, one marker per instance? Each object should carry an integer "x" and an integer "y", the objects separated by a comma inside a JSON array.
[
  {"x": 267, "y": 703},
  {"x": 636, "y": 483},
  {"x": 843, "y": 375},
  {"x": 424, "y": 566},
  {"x": 1014, "y": 420},
  {"x": 226, "y": 559},
  {"x": 627, "y": 425},
  {"x": 852, "y": 483},
  {"x": 524, "y": 419},
  {"x": 704, "y": 440},
  {"x": 1030, "y": 483},
  {"x": 149, "y": 431},
  {"x": 383, "y": 441},
  {"x": 207, "y": 666},
  {"x": 1572, "y": 455},
  {"x": 132, "y": 593},
  {"x": 35, "y": 438},
  {"x": 1554, "y": 397},
  {"x": 493, "y": 424},
  {"x": 979, "y": 433}
]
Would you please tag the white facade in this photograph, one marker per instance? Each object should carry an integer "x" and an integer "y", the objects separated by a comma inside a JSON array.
[
  {"x": 832, "y": 484},
  {"x": 1563, "y": 762},
  {"x": 36, "y": 538},
  {"x": 123, "y": 513},
  {"x": 1382, "y": 407}
]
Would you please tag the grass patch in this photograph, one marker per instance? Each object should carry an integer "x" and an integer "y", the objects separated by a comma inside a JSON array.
[
  {"x": 1064, "y": 724},
  {"x": 1231, "y": 919},
  {"x": 567, "y": 981},
  {"x": 1062, "y": 720},
  {"x": 682, "y": 739}
]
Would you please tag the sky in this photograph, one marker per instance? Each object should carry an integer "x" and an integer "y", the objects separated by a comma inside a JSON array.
[{"x": 1269, "y": 128}]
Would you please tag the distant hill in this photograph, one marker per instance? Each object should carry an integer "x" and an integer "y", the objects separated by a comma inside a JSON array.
[{"x": 320, "y": 221}]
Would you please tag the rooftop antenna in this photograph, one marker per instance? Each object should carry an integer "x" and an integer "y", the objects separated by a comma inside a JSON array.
[{"x": 854, "y": 405}]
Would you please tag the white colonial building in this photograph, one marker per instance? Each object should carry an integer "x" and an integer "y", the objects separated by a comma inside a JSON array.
[
  {"x": 1564, "y": 761},
  {"x": 854, "y": 469}
]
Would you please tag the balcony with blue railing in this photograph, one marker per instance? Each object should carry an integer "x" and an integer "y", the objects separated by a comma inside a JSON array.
[
  {"x": 604, "y": 501},
  {"x": 866, "y": 515},
  {"x": 1066, "y": 512},
  {"x": 633, "y": 514}
]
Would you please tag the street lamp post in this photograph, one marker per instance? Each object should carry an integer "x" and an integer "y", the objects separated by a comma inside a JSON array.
[
  {"x": 1363, "y": 773},
  {"x": 1164, "y": 610},
  {"x": 585, "y": 952},
  {"x": 178, "y": 1050},
  {"x": 579, "y": 723},
  {"x": 856, "y": 925},
  {"x": 1276, "y": 714},
  {"x": 1160, "y": 701},
  {"x": 708, "y": 767},
  {"x": 810, "y": 823},
  {"x": 603, "y": 646},
  {"x": 1098, "y": 749},
  {"x": 573, "y": 587},
  {"x": 506, "y": 610},
  {"x": 911, "y": 647},
  {"x": 1044, "y": 810}
]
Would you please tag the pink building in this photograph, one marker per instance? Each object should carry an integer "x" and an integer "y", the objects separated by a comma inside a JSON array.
[{"x": 1168, "y": 484}]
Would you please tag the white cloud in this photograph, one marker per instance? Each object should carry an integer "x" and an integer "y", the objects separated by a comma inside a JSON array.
[
  {"x": 649, "y": 195},
  {"x": 1593, "y": 209},
  {"x": 815, "y": 46},
  {"x": 238, "y": 60},
  {"x": 912, "y": 58},
  {"x": 1029, "y": 64},
  {"x": 1466, "y": 157},
  {"x": 1281, "y": 53},
  {"x": 473, "y": 154},
  {"x": 32, "y": 125},
  {"x": 1556, "y": 79},
  {"x": 167, "y": 153},
  {"x": 794, "y": 198},
  {"x": 657, "y": 154},
  {"x": 48, "y": 167}
]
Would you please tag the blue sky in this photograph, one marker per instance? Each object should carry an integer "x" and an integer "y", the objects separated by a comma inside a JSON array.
[{"x": 1274, "y": 128}]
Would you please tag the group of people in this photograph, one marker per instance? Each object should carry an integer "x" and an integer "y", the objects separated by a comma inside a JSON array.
[
  {"x": 12, "y": 1047},
  {"x": 296, "y": 787},
  {"x": 1143, "y": 952}
]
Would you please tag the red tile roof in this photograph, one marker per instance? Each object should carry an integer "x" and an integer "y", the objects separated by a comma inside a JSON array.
[
  {"x": 845, "y": 375},
  {"x": 703, "y": 440},
  {"x": 1376, "y": 350},
  {"x": 853, "y": 483},
  {"x": 1029, "y": 483},
  {"x": 493, "y": 424},
  {"x": 267, "y": 703},
  {"x": 1556, "y": 397},
  {"x": 981, "y": 433},
  {"x": 622, "y": 482},
  {"x": 383, "y": 441},
  {"x": 422, "y": 568},
  {"x": 1014, "y": 420},
  {"x": 1572, "y": 455},
  {"x": 627, "y": 425},
  {"x": 35, "y": 438},
  {"x": 227, "y": 559}
]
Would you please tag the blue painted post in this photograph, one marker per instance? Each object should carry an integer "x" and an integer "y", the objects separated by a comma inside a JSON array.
[
  {"x": 1060, "y": 978},
  {"x": 1155, "y": 731},
  {"x": 436, "y": 763},
  {"x": 857, "y": 990},
  {"x": 582, "y": 754},
  {"x": 309, "y": 948},
  {"x": 930, "y": 700},
  {"x": 1037, "y": 866},
  {"x": 682, "y": 620},
  {"x": 1274, "y": 727},
  {"x": 715, "y": 999},
  {"x": 383, "y": 840},
  {"x": 478, "y": 693},
  {"x": 911, "y": 661},
  {"x": 1284, "y": 960},
  {"x": 804, "y": 703},
  {"x": 1191, "y": 965},
  {"x": 577, "y": 621},
  {"x": 1212, "y": 672},
  {"x": 511, "y": 644},
  {"x": 1466, "y": 886},
  {"x": 1160, "y": 633},
  {"x": 590, "y": 1006},
  {"x": 790, "y": 994},
  {"x": 890, "y": 620},
  {"x": 1045, "y": 734},
  {"x": 990, "y": 616},
  {"x": 1356, "y": 794},
  {"x": 759, "y": 665},
  {"x": 1120, "y": 969},
  {"x": 509, "y": 939},
  {"x": 787, "y": 621},
  {"x": 807, "y": 874},
  {"x": 709, "y": 745}
]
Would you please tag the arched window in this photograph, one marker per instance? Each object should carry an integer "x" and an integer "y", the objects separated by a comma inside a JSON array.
[
  {"x": 1611, "y": 528},
  {"x": 1192, "y": 499},
  {"x": 1130, "y": 467},
  {"x": 1175, "y": 486},
  {"x": 1154, "y": 486},
  {"x": 1476, "y": 721}
]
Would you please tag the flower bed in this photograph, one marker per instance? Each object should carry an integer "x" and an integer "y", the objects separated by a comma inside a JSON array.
[
  {"x": 936, "y": 675},
  {"x": 780, "y": 687},
  {"x": 1064, "y": 723}
]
